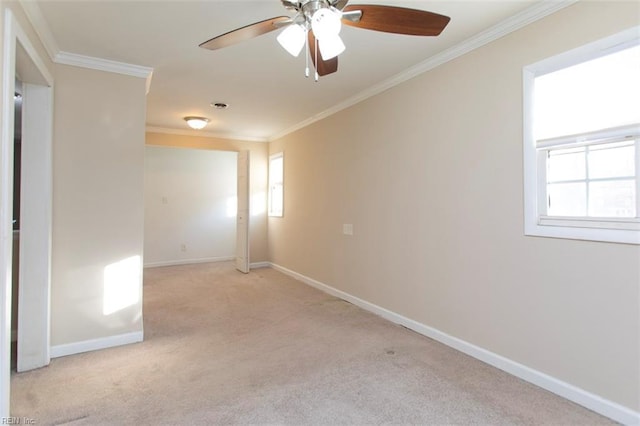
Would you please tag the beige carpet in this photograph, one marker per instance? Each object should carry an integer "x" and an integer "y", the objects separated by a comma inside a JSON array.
[{"x": 226, "y": 348}]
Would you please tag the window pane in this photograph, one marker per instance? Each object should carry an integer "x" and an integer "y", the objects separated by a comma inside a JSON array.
[
  {"x": 276, "y": 199},
  {"x": 612, "y": 160},
  {"x": 275, "y": 169},
  {"x": 593, "y": 95},
  {"x": 276, "y": 187},
  {"x": 566, "y": 164},
  {"x": 612, "y": 198},
  {"x": 567, "y": 199}
]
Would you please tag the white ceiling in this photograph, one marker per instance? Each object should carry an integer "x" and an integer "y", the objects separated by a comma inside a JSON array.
[{"x": 264, "y": 86}]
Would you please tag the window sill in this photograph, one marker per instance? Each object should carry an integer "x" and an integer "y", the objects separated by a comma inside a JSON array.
[
  {"x": 610, "y": 231},
  {"x": 629, "y": 224}
]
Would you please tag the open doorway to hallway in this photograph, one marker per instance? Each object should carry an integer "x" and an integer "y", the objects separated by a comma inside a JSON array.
[
  {"x": 22, "y": 61},
  {"x": 15, "y": 275}
]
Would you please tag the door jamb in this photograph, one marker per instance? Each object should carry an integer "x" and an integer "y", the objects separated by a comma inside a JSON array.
[{"x": 14, "y": 34}]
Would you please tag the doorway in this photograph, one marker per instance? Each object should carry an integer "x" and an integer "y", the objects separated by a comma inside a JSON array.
[
  {"x": 22, "y": 61},
  {"x": 196, "y": 205},
  {"x": 15, "y": 253}
]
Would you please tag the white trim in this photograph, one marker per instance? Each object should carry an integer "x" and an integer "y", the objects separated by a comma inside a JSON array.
[
  {"x": 605, "y": 46},
  {"x": 32, "y": 52},
  {"x": 147, "y": 86},
  {"x": 258, "y": 265},
  {"x": 615, "y": 134},
  {"x": 66, "y": 58},
  {"x": 520, "y": 20},
  {"x": 40, "y": 26},
  {"x": 620, "y": 236},
  {"x": 200, "y": 133},
  {"x": 96, "y": 344},
  {"x": 13, "y": 34},
  {"x": 188, "y": 261},
  {"x": 628, "y": 224},
  {"x": 582, "y": 397},
  {"x": 6, "y": 203}
]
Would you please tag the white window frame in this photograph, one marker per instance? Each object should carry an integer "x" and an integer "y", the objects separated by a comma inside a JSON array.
[
  {"x": 271, "y": 211},
  {"x": 536, "y": 222}
]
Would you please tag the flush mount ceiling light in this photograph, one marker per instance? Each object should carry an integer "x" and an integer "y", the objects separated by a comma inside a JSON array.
[
  {"x": 196, "y": 122},
  {"x": 317, "y": 24}
]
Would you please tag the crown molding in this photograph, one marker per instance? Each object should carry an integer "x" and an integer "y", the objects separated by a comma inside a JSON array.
[
  {"x": 40, "y": 26},
  {"x": 200, "y": 133},
  {"x": 509, "y": 25},
  {"x": 42, "y": 29},
  {"x": 107, "y": 65}
]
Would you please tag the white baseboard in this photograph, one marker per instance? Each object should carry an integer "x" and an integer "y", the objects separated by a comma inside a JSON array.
[
  {"x": 96, "y": 344},
  {"x": 580, "y": 396},
  {"x": 188, "y": 261},
  {"x": 256, "y": 265}
]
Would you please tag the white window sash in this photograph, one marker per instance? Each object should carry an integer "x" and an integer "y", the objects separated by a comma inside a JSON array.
[{"x": 611, "y": 135}]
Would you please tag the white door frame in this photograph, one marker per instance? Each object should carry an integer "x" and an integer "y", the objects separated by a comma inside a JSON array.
[
  {"x": 244, "y": 214},
  {"x": 21, "y": 57}
]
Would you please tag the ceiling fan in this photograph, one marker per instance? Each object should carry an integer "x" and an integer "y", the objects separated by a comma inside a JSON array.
[{"x": 317, "y": 24}]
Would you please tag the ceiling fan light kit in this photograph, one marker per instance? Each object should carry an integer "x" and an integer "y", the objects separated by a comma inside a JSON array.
[
  {"x": 292, "y": 39},
  {"x": 317, "y": 23}
]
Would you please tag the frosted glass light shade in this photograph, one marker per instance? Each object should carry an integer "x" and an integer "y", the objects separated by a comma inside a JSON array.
[
  {"x": 292, "y": 39},
  {"x": 196, "y": 122},
  {"x": 325, "y": 23},
  {"x": 331, "y": 47}
]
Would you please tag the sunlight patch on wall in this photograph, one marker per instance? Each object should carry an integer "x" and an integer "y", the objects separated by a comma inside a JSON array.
[
  {"x": 121, "y": 285},
  {"x": 232, "y": 206},
  {"x": 258, "y": 204}
]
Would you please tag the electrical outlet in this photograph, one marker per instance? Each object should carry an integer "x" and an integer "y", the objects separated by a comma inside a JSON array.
[
  {"x": 347, "y": 229},
  {"x": 165, "y": 200},
  {"x": 183, "y": 247}
]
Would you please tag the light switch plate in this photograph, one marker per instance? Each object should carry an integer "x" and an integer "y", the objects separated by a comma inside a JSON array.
[{"x": 347, "y": 229}]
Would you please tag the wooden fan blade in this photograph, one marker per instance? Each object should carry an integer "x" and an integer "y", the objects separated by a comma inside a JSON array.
[
  {"x": 398, "y": 20},
  {"x": 323, "y": 67},
  {"x": 244, "y": 33}
]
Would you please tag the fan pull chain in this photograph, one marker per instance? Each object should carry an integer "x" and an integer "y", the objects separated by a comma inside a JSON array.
[
  {"x": 316, "y": 62},
  {"x": 306, "y": 45}
]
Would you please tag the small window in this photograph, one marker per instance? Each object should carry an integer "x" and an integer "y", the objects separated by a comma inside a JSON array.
[
  {"x": 582, "y": 142},
  {"x": 276, "y": 184}
]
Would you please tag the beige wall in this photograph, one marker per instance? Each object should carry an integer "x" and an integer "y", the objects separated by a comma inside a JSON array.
[
  {"x": 98, "y": 210},
  {"x": 188, "y": 194},
  {"x": 258, "y": 179},
  {"x": 430, "y": 175}
]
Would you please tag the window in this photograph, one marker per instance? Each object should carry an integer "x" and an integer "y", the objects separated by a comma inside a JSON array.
[
  {"x": 582, "y": 142},
  {"x": 276, "y": 184}
]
